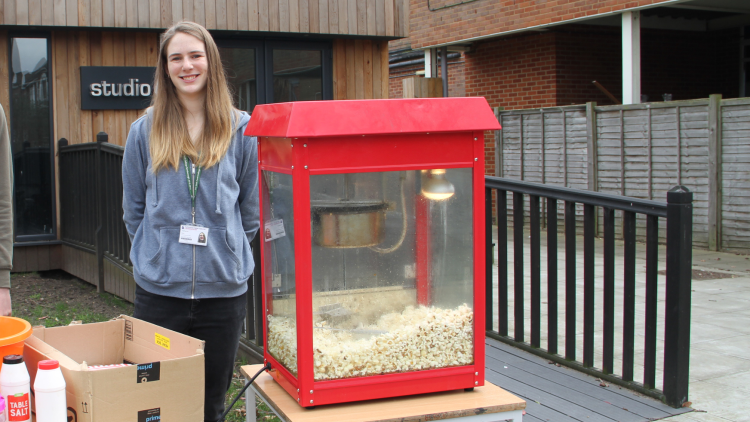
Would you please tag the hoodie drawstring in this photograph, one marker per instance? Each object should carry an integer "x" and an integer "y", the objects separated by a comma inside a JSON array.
[
  {"x": 156, "y": 191},
  {"x": 218, "y": 185}
]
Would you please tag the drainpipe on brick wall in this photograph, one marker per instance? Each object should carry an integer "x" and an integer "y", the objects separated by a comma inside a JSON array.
[{"x": 444, "y": 69}]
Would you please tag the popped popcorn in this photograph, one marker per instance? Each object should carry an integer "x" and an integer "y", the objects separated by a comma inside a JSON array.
[{"x": 416, "y": 339}]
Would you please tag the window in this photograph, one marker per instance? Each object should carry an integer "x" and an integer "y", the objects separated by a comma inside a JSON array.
[
  {"x": 297, "y": 75},
  {"x": 31, "y": 139},
  {"x": 260, "y": 72},
  {"x": 244, "y": 73},
  {"x": 298, "y": 72}
]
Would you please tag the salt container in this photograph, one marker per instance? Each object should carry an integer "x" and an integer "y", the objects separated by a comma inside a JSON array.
[
  {"x": 49, "y": 392},
  {"x": 14, "y": 387}
]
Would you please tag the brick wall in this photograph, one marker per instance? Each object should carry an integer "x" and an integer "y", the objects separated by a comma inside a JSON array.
[
  {"x": 399, "y": 44},
  {"x": 513, "y": 72},
  {"x": 486, "y": 17}
]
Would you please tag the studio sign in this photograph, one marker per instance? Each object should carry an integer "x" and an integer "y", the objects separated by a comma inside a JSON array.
[
  {"x": 133, "y": 89},
  {"x": 116, "y": 88}
]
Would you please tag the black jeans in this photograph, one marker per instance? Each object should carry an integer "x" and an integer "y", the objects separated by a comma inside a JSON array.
[{"x": 217, "y": 321}]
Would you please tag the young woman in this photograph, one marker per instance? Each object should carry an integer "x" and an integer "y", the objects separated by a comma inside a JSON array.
[{"x": 188, "y": 169}]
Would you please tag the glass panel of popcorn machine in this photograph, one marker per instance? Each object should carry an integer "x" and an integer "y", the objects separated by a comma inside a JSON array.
[
  {"x": 278, "y": 270},
  {"x": 392, "y": 269}
]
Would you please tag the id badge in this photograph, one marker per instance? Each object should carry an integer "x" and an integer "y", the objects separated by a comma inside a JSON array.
[
  {"x": 194, "y": 235},
  {"x": 274, "y": 230}
]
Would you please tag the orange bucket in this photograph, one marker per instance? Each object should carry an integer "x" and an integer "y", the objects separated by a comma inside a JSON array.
[{"x": 13, "y": 331}]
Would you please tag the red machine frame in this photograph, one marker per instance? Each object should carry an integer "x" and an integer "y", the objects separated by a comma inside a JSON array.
[{"x": 312, "y": 138}]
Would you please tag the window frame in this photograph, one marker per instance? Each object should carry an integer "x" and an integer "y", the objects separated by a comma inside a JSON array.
[
  {"x": 21, "y": 238},
  {"x": 260, "y": 76},
  {"x": 264, "y": 61},
  {"x": 326, "y": 50}
]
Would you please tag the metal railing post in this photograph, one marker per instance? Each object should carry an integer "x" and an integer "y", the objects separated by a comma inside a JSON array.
[
  {"x": 64, "y": 195},
  {"x": 679, "y": 278},
  {"x": 488, "y": 261},
  {"x": 101, "y": 235}
]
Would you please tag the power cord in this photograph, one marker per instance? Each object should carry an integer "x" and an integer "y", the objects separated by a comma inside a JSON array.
[{"x": 267, "y": 366}]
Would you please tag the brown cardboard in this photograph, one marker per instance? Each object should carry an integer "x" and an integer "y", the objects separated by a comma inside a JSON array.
[{"x": 173, "y": 385}]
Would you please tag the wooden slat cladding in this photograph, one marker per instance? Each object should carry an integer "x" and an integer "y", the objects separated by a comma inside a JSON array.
[
  {"x": 117, "y": 281},
  {"x": 346, "y": 17},
  {"x": 74, "y": 49},
  {"x": 37, "y": 258},
  {"x": 360, "y": 69},
  {"x": 81, "y": 264}
]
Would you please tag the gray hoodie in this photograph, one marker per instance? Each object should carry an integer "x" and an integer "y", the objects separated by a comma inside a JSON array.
[{"x": 155, "y": 205}]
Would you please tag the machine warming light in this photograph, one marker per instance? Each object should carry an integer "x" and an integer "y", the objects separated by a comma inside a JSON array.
[{"x": 435, "y": 186}]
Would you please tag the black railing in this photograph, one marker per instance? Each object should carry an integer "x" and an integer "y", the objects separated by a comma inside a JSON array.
[
  {"x": 91, "y": 202},
  {"x": 91, "y": 220},
  {"x": 676, "y": 212}
]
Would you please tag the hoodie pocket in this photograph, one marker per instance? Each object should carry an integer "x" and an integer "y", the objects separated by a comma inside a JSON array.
[
  {"x": 216, "y": 262},
  {"x": 171, "y": 262}
]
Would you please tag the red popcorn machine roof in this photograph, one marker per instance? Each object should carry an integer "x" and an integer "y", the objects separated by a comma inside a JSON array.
[{"x": 371, "y": 117}]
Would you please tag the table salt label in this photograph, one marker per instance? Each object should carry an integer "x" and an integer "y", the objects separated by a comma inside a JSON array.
[
  {"x": 18, "y": 407},
  {"x": 274, "y": 230}
]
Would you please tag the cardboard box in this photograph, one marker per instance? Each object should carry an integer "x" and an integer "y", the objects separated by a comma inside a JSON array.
[{"x": 166, "y": 381}]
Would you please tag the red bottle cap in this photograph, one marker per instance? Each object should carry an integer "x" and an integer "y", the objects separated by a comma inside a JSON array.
[{"x": 48, "y": 364}]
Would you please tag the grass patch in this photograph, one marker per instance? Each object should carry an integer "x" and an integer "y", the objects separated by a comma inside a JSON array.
[
  {"x": 22, "y": 275},
  {"x": 54, "y": 299},
  {"x": 115, "y": 301},
  {"x": 60, "y": 313}
]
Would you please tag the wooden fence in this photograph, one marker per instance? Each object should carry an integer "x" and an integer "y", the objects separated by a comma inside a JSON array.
[{"x": 642, "y": 151}]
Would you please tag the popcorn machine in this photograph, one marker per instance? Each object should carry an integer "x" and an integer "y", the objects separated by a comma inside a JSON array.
[{"x": 372, "y": 216}]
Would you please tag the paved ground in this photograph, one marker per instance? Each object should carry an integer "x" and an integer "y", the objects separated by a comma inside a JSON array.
[
  {"x": 720, "y": 341},
  {"x": 720, "y": 334}
]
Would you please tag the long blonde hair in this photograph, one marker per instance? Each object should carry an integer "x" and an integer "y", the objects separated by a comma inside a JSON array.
[{"x": 170, "y": 139}]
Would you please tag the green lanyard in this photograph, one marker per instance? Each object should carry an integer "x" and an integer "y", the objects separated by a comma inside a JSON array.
[{"x": 192, "y": 184}]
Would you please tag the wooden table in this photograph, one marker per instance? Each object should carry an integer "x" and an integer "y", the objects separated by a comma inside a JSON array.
[{"x": 485, "y": 404}]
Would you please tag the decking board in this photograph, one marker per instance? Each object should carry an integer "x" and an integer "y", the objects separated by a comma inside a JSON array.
[
  {"x": 543, "y": 413},
  {"x": 581, "y": 376},
  {"x": 561, "y": 394},
  {"x": 592, "y": 405},
  {"x": 560, "y": 404},
  {"x": 584, "y": 386}
]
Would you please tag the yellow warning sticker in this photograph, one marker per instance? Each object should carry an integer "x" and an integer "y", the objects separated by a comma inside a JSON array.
[{"x": 162, "y": 341}]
